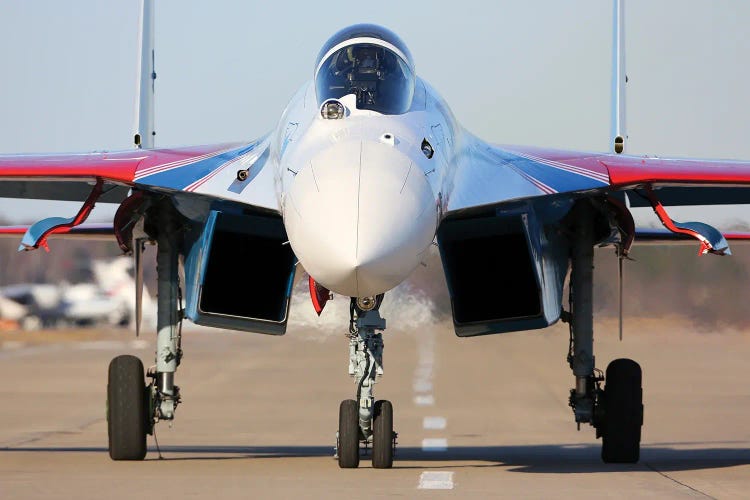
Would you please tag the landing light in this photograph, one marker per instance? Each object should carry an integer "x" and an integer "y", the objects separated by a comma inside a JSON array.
[
  {"x": 332, "y": 110},
  {"x": 366, "y": 303}
]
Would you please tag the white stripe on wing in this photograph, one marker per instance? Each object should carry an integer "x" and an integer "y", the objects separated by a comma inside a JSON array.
[
  {"x": 591, "y": 174},
  {"x": 178, "y": 163},
  {"x": 195, "y": 185}
]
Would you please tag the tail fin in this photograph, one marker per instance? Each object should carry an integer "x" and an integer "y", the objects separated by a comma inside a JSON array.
[
  {"x": 144, "y": 133},
  {"x": 619, "y": 78}
]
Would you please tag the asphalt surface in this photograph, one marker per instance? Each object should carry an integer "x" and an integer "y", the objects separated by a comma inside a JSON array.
[{"x": 477, "y": 418}]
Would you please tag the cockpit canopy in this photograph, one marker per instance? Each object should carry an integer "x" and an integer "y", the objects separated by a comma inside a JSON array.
[{"x": 370, "y": 62}]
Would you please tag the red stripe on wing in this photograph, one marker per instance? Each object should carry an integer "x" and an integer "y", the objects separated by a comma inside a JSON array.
[
  {"x": 119, "y": 166},
  {"x": 631, "y": 171},
  {"x": 627, "y": 170}
]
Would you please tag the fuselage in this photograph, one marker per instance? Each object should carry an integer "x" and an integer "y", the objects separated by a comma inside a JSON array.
[{"x": 361, "y": 190}]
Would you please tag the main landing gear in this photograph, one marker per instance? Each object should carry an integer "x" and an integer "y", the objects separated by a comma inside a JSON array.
[
  {"x": 617, "y": 410},
  {"x": 132, "y": 406},
  {"x": 365, "y": 421}
]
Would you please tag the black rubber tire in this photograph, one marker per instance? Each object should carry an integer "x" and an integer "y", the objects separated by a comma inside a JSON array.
[
  {"x": 623, "y": 412},
  {"x": 382, "y": 435},
  {"x": 348, "y": 445},
  {"x": 127, "y": 409}
]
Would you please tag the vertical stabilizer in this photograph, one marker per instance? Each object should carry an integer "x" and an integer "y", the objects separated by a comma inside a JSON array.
[
  {"x": 144, "y": 134},
  {"x": 619, "y": 78}
]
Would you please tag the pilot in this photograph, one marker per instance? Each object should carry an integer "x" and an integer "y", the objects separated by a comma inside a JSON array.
[
  {"x": 344, "y": 61},
  {"x": 367, "y": 61}
]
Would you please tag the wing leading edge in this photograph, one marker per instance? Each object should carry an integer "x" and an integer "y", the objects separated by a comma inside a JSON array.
[
  {"x": 492, "y": 177},
  {"x": 224, "y": 172},
  {"x": 207, "y": 170},
  {"x": 546, "y": 172}
]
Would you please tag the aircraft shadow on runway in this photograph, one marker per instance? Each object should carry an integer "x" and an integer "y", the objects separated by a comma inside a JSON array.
[{"x": 548, "y": 459}]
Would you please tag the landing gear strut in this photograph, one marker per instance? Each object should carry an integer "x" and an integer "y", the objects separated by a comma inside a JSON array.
[
  {"x": 581, "y": 353},
  {"x": 364, "y": 420},
  {"x": 132, "y": 406},
  {"x": 617, "y": 410}
]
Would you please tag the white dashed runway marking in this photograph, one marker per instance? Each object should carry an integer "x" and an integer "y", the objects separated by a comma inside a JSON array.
[
  {"x": 434, "y": 444},
  {"x": 430, "y": 480},
  {"x": 422, "y": 385},
  {"x": 434, "y": 423},
  {"x": 423, "y": 396},
  {"x": 424, "y": 400}
]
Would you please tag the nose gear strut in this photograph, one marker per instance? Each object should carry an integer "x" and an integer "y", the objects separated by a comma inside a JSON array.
[
  {"x": 366, "y": 364},
  {"x": 372, "y": 423}
]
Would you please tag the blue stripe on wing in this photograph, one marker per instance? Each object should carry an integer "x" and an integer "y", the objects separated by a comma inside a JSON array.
[
  {"x": 560, "y": 180},
  {"x": 181, "y": 177}
]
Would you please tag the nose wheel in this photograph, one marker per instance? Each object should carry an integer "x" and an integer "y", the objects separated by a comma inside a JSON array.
[
  {"x": 348, "y": 437},
  {"x": 383, "y": 437}
]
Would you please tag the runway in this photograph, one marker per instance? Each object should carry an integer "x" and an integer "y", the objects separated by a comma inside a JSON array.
[{"x": 477, "y": 418}]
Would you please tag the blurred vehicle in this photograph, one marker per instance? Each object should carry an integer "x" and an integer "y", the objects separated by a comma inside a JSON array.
[
  {"x": 114, "y": 277},
  {"x": 14, "y": 316},
  {"x": 40, "y": 303},
  {"x": 108, "y": 301}
]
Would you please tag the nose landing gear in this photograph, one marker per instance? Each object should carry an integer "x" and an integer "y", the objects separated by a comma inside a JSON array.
[{"x": 365, "y": 421}]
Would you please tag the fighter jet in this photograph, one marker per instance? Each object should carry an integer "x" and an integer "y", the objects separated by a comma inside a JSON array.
[{"x": 366, "y": 169}]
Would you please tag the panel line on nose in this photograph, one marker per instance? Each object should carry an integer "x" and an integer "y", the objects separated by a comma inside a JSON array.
[
  {"x": 315, "y": 179},
  {"x": 411, "y": 164},
  {"x": 359, "y": 191}
]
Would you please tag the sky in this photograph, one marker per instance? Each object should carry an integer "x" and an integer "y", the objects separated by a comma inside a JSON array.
[{"x": 533, "y": 72}]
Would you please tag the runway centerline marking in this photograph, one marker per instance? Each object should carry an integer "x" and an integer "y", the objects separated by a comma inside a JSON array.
[
  {"x": 422, "y": 385},
  {"x": 432, "y": 480},
  {"x": 424, "y": 400},
  {"x": 434, "y": 423},
  {"x": 423, "y": 373},
  {"x": 434, "y": 444}
]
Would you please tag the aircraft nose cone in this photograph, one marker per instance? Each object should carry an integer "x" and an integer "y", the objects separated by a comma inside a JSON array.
[{"x": 359, "y": 217}]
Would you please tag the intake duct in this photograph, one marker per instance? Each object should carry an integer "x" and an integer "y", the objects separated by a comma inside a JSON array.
[
  {"x": 240, "y": 273},
  {"x": 492, "y": 274}
]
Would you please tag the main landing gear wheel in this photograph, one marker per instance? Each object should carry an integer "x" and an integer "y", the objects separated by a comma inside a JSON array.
[
  {"x": 623, "y": 412},
  {"x": 348, "y": 436},
  {"x": 382, "y": 435},
  {"x": 127, "y": 409}
]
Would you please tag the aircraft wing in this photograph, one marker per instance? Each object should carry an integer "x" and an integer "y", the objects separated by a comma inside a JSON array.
[
  {"x": 210, "y": 171},
  {"x": 197, "y": 174},
  {"x": 492, "y": 175}
]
